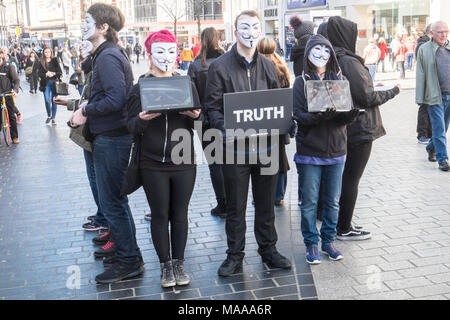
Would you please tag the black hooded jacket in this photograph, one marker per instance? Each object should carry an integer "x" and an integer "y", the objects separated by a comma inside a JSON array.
[
  {"x": 422, "y": 40},
  {"x": 298, "y": 54},
  {"x": 368, "y": 126},
  {"x": 317, "y": 137}
]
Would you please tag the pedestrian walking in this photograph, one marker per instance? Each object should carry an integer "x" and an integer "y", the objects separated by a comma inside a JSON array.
[
  {"x": 321, "y": 151},
  {"x": 187, "y": 56},
  {"x": 400, "y": 58},
  {"x": 49, "y": 72},
  {"x": 433, "y": 89},
  {"x": 371, "y": 56},
  {"x": 105, "y": 116},
  {"x": 32, "y": 71},
  {"x": 267, "y": 46},
  {"x": 198, "y": 71},
  {"x": 303, "y": 30},
  {"x": 244, "y": 69},
  {"x": 66, "y": 59},
  {"x": 423, "y": 119},
  {"x": 410, "y": 49},
  {"x": 137, "y": 51},
  {"x": 384, "y": 53},
  {"x": 74, "y": 57},
  {"x": 367, "y": 127}
]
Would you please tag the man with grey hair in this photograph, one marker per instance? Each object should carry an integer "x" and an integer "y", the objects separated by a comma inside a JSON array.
[{"x": 433, "y": 89}]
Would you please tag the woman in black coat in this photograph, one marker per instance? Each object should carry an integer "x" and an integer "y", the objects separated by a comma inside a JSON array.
[
  {"x": 33, "y": 77},
  {"x": 49, "y": 72}
]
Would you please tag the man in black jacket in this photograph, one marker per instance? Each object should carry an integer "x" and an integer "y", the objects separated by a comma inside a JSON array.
[
  {"x": 239, "y": 70},
  {"x": 367, "y": 127}
]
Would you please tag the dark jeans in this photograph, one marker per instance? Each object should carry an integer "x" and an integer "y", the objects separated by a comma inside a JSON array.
[
  {"x": 216, "y": 174},
  {"x": 281, "y": 186},
  {"x": 12, "y": 117},
  {"x": 236, "y": 188},
  {"x": 111, "y": 155},
  {"x": 168, "y": 194},
  {"x": 49, "y": 94},
  {"x": 357, "y": 158},
  {"x": 90, "y": 171},
  {"x": 423, "y": 122},
  {"x": 326, "y": 182},
  {"x": 409, "y": 61},
  {"x": 33, "y": 82}
]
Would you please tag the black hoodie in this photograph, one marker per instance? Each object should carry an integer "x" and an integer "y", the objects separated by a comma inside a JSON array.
[
  {"x": 368, "y": 126},
  {"x": 317, "y": 137},
  {"x": 298, "y": 54}
]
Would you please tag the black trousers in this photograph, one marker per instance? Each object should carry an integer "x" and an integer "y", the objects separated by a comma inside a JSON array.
[
  {"x": 357, "y": 158},
  {"x": 423, "y": 122},
  {"x": 216, "y": 174},
  {"x": 168, "y": 194},
  {"x": 12, "y": 110},
  {"x": 33, "y": 82},
  {"x": 236, "y": 189}
]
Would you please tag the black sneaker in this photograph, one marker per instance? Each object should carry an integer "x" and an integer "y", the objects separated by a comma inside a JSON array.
[
  {"x": 229, "y": 267},
  {"x": 443, "y": 165},
  {"x": 107, "y": 250},
  {"x": 181, "y": 277},
  {"x": 167, "y": 276},
  {"x": 91, "y": 226},
  {"x": 353, "y": 235},
  {"x": 120, "y": 271},
  {"x": 276, "y": 261},
  {"x": 91, "y": 218},
  {"x": 102, "y": 239},
  {"x": 48, "y": 121},
  {"x": 108, "y": 262},
  {"x": 431, "y": 156},
  {"x": 220, "y": 210}
]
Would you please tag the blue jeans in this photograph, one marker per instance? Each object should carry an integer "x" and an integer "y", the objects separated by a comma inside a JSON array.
[
  {"x": 281, "y": 186},
  {"x": 111, "y": 156},
  {"x": 409, "y": 61},
  {"x": 90, "y": 171},
  {"x": 310, "y": 178},
  {"x": 49, "y": 94},
  {"x": 440, "y": 119},
  {"x": 299, "y": 187},
  {"x": 185, "y": 65},
  {"x": 372, "y": 70}
]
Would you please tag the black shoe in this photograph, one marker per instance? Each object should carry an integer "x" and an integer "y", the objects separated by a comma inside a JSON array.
[
  {"x": 275, "y": 260},
  {"x": 353, "y": 234},
  {"x": 91, "y": 218},
  {"x": 220, "y": 210},
  {"x": 431, "y": 156},
  {"x": 443, "y": 165},
  {"x": 91, "y": 226},
  {"x": 102, "y": 239},
  {"x": 108, "y": 262},
  {"x": 229, "y": 267},
  {"x": 120, "y": 271},
  {"x": 107, "y": 250}
]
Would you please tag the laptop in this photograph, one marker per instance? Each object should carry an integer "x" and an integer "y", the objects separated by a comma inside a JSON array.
[{"x": 163, "y": 94}]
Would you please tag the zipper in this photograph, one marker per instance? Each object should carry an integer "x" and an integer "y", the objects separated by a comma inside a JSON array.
[
  {"x": 249, "y": 79},
  {"x": 165, "y": 142}
]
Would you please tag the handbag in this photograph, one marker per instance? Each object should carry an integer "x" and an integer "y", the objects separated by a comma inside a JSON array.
[
  {"x": 28, "y": 71},
  {"x": 133, "y": 179},
  {"x": 61, "y": 88},
  {"x": 74, "y": 79}
]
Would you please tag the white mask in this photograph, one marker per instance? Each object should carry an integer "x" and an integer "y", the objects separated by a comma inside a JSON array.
[
  {"x": 319, "y": 55},
  {"x": 88, "y": 27},
  {"x": 86, "y": 48},
  {"x": 249, "y": 31},
  {"x": 164, "y": 55}
]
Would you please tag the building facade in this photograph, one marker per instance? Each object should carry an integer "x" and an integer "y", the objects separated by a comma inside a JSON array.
[
  {"x": 3, "y": 25},
  {"x": 385, "y": 17}
]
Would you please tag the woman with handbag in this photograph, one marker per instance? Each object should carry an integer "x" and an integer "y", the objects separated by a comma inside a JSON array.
[
  {"x": 49, "y": 72},
  {"x": 31, "y": 70},
  {"x": 168, "y": 186}
]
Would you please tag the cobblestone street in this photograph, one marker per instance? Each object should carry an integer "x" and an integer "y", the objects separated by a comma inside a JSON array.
[{"x": 45, "y": 198}]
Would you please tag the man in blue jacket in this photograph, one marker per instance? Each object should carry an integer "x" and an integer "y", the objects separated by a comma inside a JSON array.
[{"x": 106, "y": 116}]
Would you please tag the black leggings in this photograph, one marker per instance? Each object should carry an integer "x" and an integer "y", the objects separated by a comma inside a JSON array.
[
  {"x": 357, "y": 158},
  {"x": 168, "y": 193}
]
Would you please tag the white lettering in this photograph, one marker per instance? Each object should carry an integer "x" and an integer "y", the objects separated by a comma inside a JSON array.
[
  {"x": 278, "y": 112},
  {"x": 238, "y": 115},
  {"x": 248, "y": 115}
]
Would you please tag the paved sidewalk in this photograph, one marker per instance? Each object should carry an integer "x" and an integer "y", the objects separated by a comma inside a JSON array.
[{"x": 44, "y": 199}]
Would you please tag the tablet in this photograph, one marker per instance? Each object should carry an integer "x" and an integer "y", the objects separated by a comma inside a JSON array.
[
  {"x": 162, "y": 94},
  {"x": 328, "y": 94}
]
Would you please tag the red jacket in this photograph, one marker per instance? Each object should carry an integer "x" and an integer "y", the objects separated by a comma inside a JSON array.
[
  {"x": 196, "y": 49},
  {"x": 384, "y": 50}
]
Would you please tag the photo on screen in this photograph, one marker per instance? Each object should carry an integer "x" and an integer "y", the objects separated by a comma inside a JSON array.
[{"x": 328, "y": 94}]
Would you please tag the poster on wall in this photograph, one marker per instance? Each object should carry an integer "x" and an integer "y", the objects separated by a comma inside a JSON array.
[{"x": 299, "y": 4}]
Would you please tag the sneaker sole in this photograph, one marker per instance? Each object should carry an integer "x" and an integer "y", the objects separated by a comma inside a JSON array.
[
  {"x": 354, "y": 238},
  {"x": 183, "y": 283},
  {"x": 168, "y": 285},
  {"x": 236, "y": 270},
  {"x": 127, "y": 276},
  {"x": 331, "y": 258},
  {"x": 272, "y": 266},
  {"x": 95, "y": 229},
  {"x": 313, "y": 262},
  {"x": 147, "y": 219}
]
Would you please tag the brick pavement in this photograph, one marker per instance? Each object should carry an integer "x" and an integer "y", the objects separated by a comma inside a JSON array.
[{"x": 44, "y": 198}]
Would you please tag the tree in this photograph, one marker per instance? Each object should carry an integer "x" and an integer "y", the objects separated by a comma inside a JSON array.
[
  {"x": 198, "y": 7},
  {"x": 174, "y": 10}
]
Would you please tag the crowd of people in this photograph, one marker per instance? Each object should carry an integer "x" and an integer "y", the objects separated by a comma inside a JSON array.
[{"x": 125, "y": 147}]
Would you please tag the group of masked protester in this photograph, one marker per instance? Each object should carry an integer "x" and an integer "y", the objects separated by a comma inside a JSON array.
[{"x": 333, "y": 148}]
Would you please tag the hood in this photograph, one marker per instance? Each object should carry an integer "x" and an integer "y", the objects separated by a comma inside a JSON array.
[
  {"x": 423, "y": 39},
  {"x": 342, "y": 33},
  {"x": 332, "y": 65},
  {"x": 323, "y": 29}
]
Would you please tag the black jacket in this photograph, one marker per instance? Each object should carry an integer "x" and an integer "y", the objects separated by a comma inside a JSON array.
[
  {"x": 422, "y": 40},
  {"x": 298, "y": 54},
  {"x": 317, "y": 137},
  {"x": 368, "y": 125},
  {"x": 229, "y": 74},
  {"x": 8, "y": 78},
  {"x": 155, "y": 135},
  {"x": 199, "y": 75},
  {"x": 34, "y": 64},
  {"x": 52, "y": 66}
]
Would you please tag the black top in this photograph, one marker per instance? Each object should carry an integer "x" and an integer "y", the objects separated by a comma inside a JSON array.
[{"x": 52, "y": 66}]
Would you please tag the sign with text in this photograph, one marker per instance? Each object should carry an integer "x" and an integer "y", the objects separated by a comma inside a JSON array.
[
  {"x": 299, "y": 4},
  {"x": 264, "y": 109}
]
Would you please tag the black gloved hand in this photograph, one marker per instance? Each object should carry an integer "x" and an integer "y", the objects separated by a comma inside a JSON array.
[
  {"x": 328, "y": 114},
  {"x": 353, "y": 114},
  {"x": 292, "y": 129}
]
